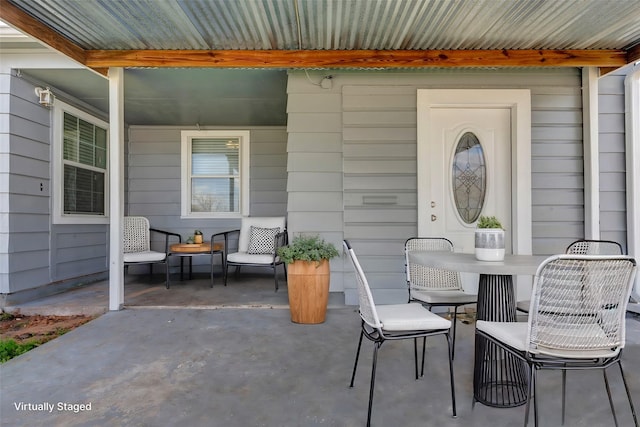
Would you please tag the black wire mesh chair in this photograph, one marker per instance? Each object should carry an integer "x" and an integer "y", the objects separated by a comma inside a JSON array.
[
  {"x": 394, "y": 322},
  {"x": 576, "y": 321},
  {"x": 433, "y": 286},
  {"x": 254, "y": 244}
]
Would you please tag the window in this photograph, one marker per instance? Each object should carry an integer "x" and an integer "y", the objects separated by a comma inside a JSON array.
[
  {"x": 80, "y": 167},
  {"x": 215, "y": 173},
  {"x": 469, "y": 177}
]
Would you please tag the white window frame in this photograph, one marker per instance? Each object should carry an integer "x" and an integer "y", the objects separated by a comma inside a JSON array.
[
  {"x": 59, "y": 217},
  {"x": 185, "y": 171}
]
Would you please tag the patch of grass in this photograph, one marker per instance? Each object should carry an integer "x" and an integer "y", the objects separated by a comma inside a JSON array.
[
  {"x": 19, "y": 334},
  {"x": 6, "y": 316},
  {"x": 9, "y": 348},
  {"x": 61, "y": 331}
]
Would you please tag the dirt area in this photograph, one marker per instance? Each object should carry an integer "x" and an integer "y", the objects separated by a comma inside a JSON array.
[{"x": 38, "y": 328}]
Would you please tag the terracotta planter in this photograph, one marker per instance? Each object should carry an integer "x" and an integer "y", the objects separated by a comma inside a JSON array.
[
  {"x": 308, "y": 288},
  {"x": 197, "y": 238}
]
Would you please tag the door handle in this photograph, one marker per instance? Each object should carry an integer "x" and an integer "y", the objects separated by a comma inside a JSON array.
[{"x": 433, "y": 218}]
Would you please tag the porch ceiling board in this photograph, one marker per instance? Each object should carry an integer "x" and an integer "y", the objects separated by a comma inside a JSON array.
[{"x": 333, "y": 33}]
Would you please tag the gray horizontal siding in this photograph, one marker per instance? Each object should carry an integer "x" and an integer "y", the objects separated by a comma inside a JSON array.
[
  {"x": 27, "y": 212},
  {"x": 557, "y": 165},
  {"x": 80, "y": 248},
  {"x": 38, "y": 252},
  {"x": 153, "y": 180},
  {"x": 612, "y": 160},
  {"x": 378, "y": 132},
  {"x": 314, "y": 167}
]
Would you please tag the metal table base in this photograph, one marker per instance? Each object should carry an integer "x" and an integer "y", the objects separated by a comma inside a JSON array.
[{"x": 499, "y": 378}]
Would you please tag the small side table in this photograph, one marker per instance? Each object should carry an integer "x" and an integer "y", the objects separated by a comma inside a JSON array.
[{"x": 195, "y": 249}]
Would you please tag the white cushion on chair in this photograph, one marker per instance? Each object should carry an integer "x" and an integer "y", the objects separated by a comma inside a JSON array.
[
  {"x": 513, "y": 334},
  {"x": 245, "y": 258},
  {"x": 443, "y": 297},
  {"x": 576, "y": 354},
  {"x": 146, "y": 256},
  {"x": 409, "y": 317}
]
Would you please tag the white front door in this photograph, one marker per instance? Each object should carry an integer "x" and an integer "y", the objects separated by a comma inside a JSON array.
[
  {"x": 467, "y": 181},
  {"x": 498, "y": 124}
]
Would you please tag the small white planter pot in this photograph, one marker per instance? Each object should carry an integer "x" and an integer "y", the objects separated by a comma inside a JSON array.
[{"x": 490, "y": 244}]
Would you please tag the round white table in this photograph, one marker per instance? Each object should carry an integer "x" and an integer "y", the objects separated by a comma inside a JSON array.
[
  {"x": 499, "y": 378},
  {"x": 525, "y": 265}
]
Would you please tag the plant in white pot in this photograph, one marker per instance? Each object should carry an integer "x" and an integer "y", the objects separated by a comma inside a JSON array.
[
  {"x": 307, "y": 259},
  {"x": 489, "y": 239}
]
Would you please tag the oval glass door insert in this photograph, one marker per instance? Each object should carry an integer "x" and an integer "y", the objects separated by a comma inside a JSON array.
[{"x": 469, "y": 177}]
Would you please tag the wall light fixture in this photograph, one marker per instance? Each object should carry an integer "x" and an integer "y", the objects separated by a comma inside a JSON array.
[{"x": 45, "y": 97}]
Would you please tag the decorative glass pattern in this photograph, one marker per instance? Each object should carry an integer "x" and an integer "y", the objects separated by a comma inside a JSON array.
[{"x": 469, "y": 177}]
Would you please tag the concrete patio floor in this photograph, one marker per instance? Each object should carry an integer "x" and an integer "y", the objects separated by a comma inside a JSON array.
[
  {"x": 234, "y": 358},
  {"x": 252, "y": 288}
]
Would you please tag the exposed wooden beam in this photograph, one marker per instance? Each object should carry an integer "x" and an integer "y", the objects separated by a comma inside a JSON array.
[
  {"x": 100, "y": 60},
  {"x": 354, "y": 58},
  {"x": 633, "y": 54},
  {"x": 102, "y": 71},
  {"x": 603, "y": 71},
  {"x": 36, "y": 29}
]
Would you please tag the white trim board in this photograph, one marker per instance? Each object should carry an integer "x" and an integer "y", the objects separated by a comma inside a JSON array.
[
  {"x": 519, "y": 101},
  {"x": 590, "y": 132},
  {"x": 632, "y": 150}
]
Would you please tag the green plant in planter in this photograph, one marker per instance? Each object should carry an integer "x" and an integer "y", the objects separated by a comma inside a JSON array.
[
  {"x": 197, "y": 233},
  {"x": 307, "y": 248},
  {"x": 489, "y": 222}
]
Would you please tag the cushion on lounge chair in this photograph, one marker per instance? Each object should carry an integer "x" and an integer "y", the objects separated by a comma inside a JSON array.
[
  {"x": 246, "y": 258},
  {"x": 144, "y": 256}
]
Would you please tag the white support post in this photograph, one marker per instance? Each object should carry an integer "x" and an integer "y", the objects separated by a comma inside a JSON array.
[
  {"x": 116, "y": 187},
  {"x": 591, "y": 156},
  {"x": 632, "y": 150}
]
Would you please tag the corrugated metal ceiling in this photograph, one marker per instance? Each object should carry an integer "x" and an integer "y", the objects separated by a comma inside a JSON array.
[
  {"x": 299, "y": 24},
  {"x": 341, "y": 24}
]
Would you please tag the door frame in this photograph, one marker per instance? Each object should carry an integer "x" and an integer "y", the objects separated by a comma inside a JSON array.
[{"x": 516, "y": 100}]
